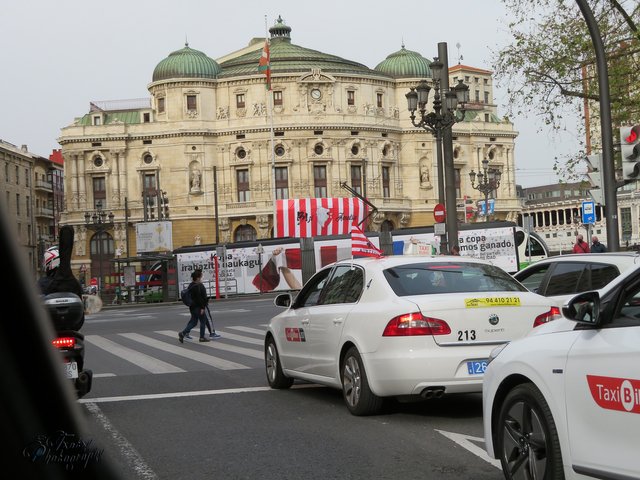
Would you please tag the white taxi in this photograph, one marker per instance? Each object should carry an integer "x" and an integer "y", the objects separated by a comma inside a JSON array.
[
  {"x": 564, "y": 402},
  {"x": 396, "y": 326}
]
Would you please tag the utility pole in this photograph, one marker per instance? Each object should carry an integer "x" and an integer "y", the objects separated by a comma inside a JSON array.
[{"x": 608, "y": 168}]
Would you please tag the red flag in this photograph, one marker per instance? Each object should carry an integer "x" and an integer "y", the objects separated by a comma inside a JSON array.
[
  {"x": 264, "y": 65},
  {"x": 361, "y": 246}
]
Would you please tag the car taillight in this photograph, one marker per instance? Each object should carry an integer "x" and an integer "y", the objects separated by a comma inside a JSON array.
[
  {"x": 64, "y": 342},
  {"x": 415, "y": 324},
  {"x": 552, "y": 314}
]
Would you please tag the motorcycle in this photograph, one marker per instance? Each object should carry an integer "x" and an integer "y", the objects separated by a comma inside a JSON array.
[{"x": 66, "y": 311}]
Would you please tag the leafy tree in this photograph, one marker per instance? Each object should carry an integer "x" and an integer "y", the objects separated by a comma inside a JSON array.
[{"x": 549, "y": 66}]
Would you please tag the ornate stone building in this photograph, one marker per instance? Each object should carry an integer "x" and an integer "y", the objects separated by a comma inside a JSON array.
[{"x": 203, "y": 142}]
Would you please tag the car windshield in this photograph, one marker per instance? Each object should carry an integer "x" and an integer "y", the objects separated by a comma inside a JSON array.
[{"x": 447, "y": 277}]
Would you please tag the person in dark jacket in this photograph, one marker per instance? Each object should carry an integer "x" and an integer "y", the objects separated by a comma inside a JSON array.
[
  {"x": 596, "y": 246},
  {"x": 200, "y": 300}
]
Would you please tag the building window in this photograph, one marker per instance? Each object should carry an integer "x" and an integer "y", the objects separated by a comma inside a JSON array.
[
  {"x": 282, "y": 183},
  {"x": 17, "y": 175},
  {"x": 318, "y": 149},
  {"x": 386, "y": 174},
  {"x": 148, "y": 159},
  {"x": 245, "y": 233},
  {"x": 351, "y": 97},
  {"x": 240, "y": 100},
  {"x": 6, "y": 172},
  {"x": 26, "y": 177},
  {"x": 486, "y": 97},
  {"x": 161, "y": 105},
  {"x": 17, "y": 204},
  {"x": 486, "y": 117},
  {"x": 379, "y": 100},
  {"x": 486, "y": 81},
  {"x": 277, "y": 98},
  {"x": 477, "y": 95},
  {"x": 457, "y": 181},
  {"x": 320, "y": 181},
  {"x": 97, "y": 162},
  {"x": 99, "y": 192},
  {"x": 241, "y": 153},
  {"x": 97, "y": 120},
  {"x": 191, "y": 102},
  {"x": 279, "y": 150},
  {"x": 356, "y": 178},
  {"x": 146, "y": 117},
  {"x": 625, "y": 224},
  {"x": 355, "y": 150},
  {"x": 26, "y": 204},
  {"x": 242, "y": 178}
]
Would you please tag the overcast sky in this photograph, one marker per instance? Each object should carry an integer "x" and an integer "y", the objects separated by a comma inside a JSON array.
[{"x": 57, "y": 56}]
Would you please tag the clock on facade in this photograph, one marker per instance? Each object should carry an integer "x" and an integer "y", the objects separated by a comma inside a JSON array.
[{"x": 316, "y": 94}]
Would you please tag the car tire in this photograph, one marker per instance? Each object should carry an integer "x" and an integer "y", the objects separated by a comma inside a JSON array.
[
  {"x": 275, "y": 376},
  {"x": 357, "y": 395},
  {"x": 525, "y": 423}
]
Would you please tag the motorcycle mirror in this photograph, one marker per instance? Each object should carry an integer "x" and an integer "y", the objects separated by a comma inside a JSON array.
[{"x": 92, "y": 304}]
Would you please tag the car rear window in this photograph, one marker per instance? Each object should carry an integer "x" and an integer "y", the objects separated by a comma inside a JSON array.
[{"x": 447, "y": 277}]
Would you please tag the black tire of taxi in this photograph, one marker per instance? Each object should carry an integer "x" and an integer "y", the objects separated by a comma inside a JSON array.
[
  {"x": 357, "y": 395},
  {"x": 525, "y": 423},
  {"x": 276, "y": 378}
]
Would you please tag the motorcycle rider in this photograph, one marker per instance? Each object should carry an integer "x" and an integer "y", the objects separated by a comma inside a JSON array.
[{"x": 57, "y": 265}]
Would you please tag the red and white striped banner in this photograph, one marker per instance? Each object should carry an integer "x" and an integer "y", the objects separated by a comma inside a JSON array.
[{"x": 312, "y": 217}]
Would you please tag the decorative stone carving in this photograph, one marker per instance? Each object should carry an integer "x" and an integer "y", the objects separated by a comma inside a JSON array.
[
  {"x": 197, "y": 240},
  {"x": 405, "y": 218},
  {"x": 223, "y": 113},
  {"x": 196, "y": 176},
  {"x": 425, "y": 177}
]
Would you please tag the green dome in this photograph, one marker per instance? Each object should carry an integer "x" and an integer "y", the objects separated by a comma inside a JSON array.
[
  {"x": 186, "y": 63},
  {"x": 287, "y": 57},
  {"x": 405, "y": 63}
]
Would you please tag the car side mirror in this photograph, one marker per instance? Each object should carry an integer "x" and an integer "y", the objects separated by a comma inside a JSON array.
[
  {"x": 583, "y": 308},
  {"x": 282, "y": 300}
]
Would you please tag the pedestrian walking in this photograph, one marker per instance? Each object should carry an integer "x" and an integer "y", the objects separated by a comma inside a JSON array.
[
  {"x": 580, "y": 246},
  {"x": 596, "y": 246},
  {"x": 197, "y": 309}
]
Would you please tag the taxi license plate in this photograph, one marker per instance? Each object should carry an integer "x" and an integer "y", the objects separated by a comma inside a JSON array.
[
  {"x": 71, "y": 369},
  {"x": 477, "y": 367}
]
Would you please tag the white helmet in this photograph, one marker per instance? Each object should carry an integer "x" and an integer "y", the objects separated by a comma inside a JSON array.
[{"x": 51, "y": 259}]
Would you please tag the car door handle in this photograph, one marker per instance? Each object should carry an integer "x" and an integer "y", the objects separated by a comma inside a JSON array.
[
  {"x": 338, "y": 320},
  {"x": 305, "y": 321}
]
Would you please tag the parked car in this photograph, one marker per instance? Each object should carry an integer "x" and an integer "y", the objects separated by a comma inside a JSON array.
[
  {"x": 564, "y": 402},
  {"x": 396, "y": 326},
  {"x": 561, "y": 277}
]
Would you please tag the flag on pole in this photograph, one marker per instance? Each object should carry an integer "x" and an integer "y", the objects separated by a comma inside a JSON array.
[
  {"x": 264, "y": 65},
  {"x": 361, "y": 246}
]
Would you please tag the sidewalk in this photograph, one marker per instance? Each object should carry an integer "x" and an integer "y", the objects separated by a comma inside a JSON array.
[{"x": 212, "y": 301}]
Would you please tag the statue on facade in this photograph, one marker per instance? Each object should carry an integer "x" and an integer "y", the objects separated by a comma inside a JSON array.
[{"x": 195, "y": 180}]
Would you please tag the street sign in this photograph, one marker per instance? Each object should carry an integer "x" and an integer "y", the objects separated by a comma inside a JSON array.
[
  {"x": 439, "y": 213},
  {"x": 588, "y": 212},
  {"x": 93, "y": 282}
]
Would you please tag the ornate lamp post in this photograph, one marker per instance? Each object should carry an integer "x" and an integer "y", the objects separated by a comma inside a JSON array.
[
  {"x": 99, "y": 221},
  {"x": 443, "y": 116},
  {"x": 488, "y": 181}
]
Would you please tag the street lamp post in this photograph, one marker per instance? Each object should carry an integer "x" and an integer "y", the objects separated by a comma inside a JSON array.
[
  {"x": 260, "y": 251},
  {"x": 99, "y": 221},
  {"x": 488, "y": 181},
  {"x": 438, "y": 121}
]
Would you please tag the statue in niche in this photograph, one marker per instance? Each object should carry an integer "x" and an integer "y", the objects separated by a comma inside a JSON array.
[
  {"x": 195, "y": 180},
  {"x": 425, "y": 180}
]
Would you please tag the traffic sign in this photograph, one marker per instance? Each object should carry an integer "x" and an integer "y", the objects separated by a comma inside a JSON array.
[
  {"x": 439, "y": 213},
  {"x": 588, "y": 212}
]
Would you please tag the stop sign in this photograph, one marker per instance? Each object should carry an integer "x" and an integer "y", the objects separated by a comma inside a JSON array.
[{"x": 439, "y": 213}]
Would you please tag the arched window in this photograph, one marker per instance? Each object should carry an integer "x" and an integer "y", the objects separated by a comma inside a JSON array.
[
  {"x": 245, "y": 233},
  {"x": 386, "y": 226}
]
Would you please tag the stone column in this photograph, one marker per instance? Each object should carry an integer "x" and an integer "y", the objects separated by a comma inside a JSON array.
[{"x": 82, "y": 181}]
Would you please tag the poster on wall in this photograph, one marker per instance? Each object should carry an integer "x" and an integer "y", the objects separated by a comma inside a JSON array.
[
  {"x": 313, "y": 217},
  {"x": 154, "y": 237}
]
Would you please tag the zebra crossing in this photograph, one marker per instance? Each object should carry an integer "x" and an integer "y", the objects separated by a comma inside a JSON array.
[{"x": 158, "y": 352}]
